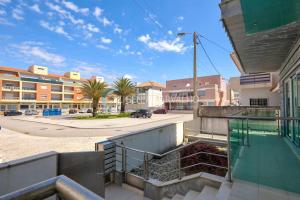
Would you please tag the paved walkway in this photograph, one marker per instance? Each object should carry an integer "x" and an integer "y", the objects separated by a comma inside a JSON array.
[
  {"x": 14, "y": 145},
  {"x": 99, "y": 123}
]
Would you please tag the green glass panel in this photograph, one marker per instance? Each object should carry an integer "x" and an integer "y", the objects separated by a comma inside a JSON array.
[{"x": 262, "y": 15}]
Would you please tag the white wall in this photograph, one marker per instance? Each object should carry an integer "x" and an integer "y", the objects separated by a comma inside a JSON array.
[
  {"x": 154, "y": 98},
  {"x": 246, "y": 94}
]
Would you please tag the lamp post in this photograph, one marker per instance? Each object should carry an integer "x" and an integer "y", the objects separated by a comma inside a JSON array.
[{"x": 195, "y": 81}]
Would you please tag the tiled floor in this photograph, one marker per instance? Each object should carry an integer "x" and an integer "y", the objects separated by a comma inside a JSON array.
[{"x": 269, "y": 161}]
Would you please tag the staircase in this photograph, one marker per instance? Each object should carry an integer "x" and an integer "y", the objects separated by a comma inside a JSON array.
[{"x": 207, "y": 193}]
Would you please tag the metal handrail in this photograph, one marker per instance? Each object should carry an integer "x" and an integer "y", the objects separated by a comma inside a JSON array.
[{"x": 64, "y": 186}]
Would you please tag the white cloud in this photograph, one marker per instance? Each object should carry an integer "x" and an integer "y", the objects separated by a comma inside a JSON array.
[
  {"x": 17, "y": 13},
  {"x": 75, "y": 8},
  {"x": 138, "y": 53},
  {"x": 2, "y": 12},
  {"x": 144, "y": 38},
  {"x": 170, "y": 32},
  {"x": 127, "y": 47},
  {"x": 163, "y": 45},
  {"x": 117, "y": 30},
  {"x": 179, "y": 29},
  {"x": 57, "y": 29},
  {"x": 105, "y": 21},
  {"x": 106, "y": 40},
  {"x": 92, "y": 28},
  {"x": 100, "y": 46},
  {"x": 180, "y": 18},
  {"x": 3, "y": 2},
  {"x": 32, "y": 50},
  {"x": 129, "y": 76},
  {"x": 87, "y": 69},
  {"x": 98, "y": 12},
  {"x": 5, "y": 22},
  {"x": 36, "y": 8}
]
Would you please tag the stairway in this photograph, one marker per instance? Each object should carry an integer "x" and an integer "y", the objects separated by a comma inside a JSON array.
[{"x": 207, "y": 193}]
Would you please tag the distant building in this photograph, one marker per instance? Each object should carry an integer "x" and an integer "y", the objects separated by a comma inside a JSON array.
[
  {"x": 254, "y": 89},
  {"x": 212, "y": 91},
  {"x": 148, "y": 95},
  {"x": 35, "y": 88}
]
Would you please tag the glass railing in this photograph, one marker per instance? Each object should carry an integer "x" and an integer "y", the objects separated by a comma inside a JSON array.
[
  {"x": 10, "y": 98},
  {"x": 262, "y": 151},
  {"x": 56, "y": 90},
  {"x": 11, "y": 87},
  {"x": 28, "y": 98}
]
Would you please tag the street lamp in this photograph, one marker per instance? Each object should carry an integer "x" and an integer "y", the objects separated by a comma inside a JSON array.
[{"x": 195, "y": 100}]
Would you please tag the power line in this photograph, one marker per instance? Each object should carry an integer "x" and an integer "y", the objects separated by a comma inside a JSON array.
[
  {"x": 215, "y": 43},
  {"x": 209, "y": 59}
]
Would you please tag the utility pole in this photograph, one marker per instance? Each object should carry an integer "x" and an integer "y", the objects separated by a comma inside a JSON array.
[{"x": 195, "y": 106}]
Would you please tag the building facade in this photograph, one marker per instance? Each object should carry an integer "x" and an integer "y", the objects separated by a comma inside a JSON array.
[
  {"x": 212, "y": 91},
  {"x": 35, "y": 88},
  {"x": 148, "y": 95},
  {"x": 254, "y": 89}
]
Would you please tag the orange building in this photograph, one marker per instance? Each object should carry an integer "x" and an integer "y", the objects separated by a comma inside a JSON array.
[{"x": 35, "y": 88}]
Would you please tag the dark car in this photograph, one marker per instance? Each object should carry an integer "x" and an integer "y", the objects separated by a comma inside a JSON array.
[
  {"x": 73, "y": 111},
  {"x": 12, "y": 113},
  {"x": 144, "y": 113},
  {"x": 160, "y": 111}
]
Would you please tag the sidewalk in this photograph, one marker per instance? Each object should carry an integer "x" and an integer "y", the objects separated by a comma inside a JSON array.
[{"x": 100, "y": 123}]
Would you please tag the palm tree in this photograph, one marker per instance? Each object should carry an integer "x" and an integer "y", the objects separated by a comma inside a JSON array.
[
  {"x": 94, "y": 89},
  {"x": 124, "y": 88}
]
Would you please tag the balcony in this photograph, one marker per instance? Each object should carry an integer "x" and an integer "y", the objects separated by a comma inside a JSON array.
[
  {"x": 11, "y": 88},
  {"x": 28, "y": 98},
  {"x": 10, "y": 98},
  {"x": 29, "y": 88},
  {"x": 56, "y": 89}
]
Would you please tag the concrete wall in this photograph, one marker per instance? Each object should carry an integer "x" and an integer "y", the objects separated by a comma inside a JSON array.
[
  {"x": 206, "y": 125},
  {"x": 246, "y": 94},
  {"x": 156, "y": 140},
  {"x": 21, "y": 173}
]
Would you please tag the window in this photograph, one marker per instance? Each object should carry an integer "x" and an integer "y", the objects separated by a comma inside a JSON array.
[
  {"x": 43, "y": 96},
  {"x": 201, "y": 93},
  {"x": 259, "y": 102},
  {"x": 44, "y": 87},
  {"x": 2, "y": 107}
]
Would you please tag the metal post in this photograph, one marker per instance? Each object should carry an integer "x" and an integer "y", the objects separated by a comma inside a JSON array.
[
  {"x": 123, "y": 159},
  {"x": 243, "y": 138},
  {"x": 179, "y": 165},
  {"x": 278, "y": 127},
  {"x": 146, "y": 172},
  {"x": 248, "y": 142},
  {"x": 195, "y": 84},
  {"x": 229, "y": 176}
]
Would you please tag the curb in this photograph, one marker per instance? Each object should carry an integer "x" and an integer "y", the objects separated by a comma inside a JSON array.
[{"x": 68, "y": 126}]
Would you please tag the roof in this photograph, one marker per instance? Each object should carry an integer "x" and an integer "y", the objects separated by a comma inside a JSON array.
[
  {"x": 151, "y": 84},
  {"x": 18, "y": 70}
]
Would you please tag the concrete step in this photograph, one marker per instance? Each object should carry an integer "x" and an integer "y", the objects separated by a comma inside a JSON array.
[
  {"x": 178, "y": 197},
  {"x": 224, "y": 191},
  {"x": 165, "y": 198},
  {"x": 191, "y": 195},
  {"x": 207, "y": 193}
]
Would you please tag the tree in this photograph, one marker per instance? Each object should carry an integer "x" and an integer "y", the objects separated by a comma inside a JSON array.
[
  {"x": 124, "y": 88},
  {"x": 94, "y": 89}
]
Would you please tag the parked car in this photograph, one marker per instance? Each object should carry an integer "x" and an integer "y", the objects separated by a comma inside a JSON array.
[
  {"x": 145, "y": 113},
  {"x": 12, "y": 113},
  {"x": 31, "y": 112},
  {"x": 73, "y": 111},
  {"x": 160, "y": 111},
  {"x": 85, "y": 110}
]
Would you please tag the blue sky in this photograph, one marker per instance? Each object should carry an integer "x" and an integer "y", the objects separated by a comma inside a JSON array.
[{"x": 111, "y": 38}]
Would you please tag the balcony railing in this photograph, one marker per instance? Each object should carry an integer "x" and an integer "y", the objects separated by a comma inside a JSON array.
[
  {"x": 28, "y": 98},
  {"x": 10, "y": 98},
  {"x": 56, "y": 90},
  {"x": 56, "y": 99},
  {"x": 69, "y": 91},
  {"x": 10, "y": 87},
  {"x": 29, "y": 88},
  {"x": 65, "y": 188}
]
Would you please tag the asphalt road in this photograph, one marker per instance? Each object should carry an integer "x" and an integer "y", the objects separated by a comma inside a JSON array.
[{"x": 48, "y": 130}]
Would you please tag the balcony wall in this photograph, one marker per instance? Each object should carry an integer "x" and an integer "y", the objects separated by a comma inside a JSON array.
[{"x": 83, "y": 167}]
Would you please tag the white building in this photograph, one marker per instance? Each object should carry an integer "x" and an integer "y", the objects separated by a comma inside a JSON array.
[{"x": 148, "y": 95}]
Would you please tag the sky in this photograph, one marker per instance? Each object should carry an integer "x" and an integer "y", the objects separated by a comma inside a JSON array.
[{"x": 113, "y": 38}]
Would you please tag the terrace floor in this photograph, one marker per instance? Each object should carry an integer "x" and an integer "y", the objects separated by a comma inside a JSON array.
[{"x": 268, "y": 161}]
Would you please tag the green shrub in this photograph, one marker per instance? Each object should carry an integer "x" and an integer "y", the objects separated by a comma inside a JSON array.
[{"x": 105, "y": 116}]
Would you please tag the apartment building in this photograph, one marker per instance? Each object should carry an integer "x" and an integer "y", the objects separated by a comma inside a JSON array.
[
  {"x": 212, "y": 91},
  {"x": 148, "y": 95},
  {"x": 35, "y": 88}
]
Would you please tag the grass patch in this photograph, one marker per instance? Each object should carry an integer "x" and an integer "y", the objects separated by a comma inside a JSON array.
[{"x": 105, "y": 116}]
